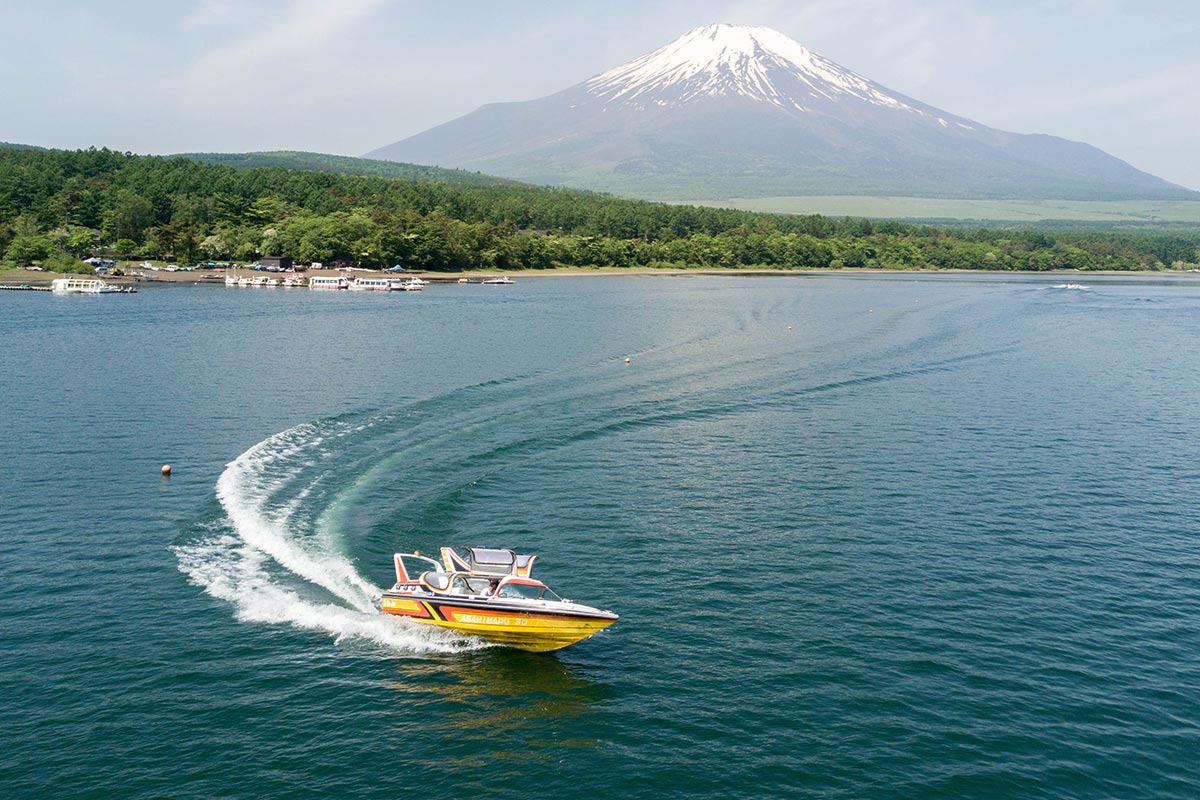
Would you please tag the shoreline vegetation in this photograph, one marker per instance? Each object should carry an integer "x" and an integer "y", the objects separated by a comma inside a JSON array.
[
  {"x": 58, "y": 207},
  {"x": 216, "y": 277}
]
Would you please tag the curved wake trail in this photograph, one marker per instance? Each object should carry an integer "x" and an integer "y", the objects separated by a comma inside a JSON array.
[
  {"x": 296, "y": 504},
  {"x": 273, "y": 567}
]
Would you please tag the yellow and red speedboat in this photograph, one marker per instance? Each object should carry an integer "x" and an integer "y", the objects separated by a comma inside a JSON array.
[{"x": 490, "y": 594}]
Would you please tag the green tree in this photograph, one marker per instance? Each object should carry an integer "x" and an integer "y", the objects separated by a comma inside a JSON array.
[
  {"x": 214, "y": 246},
  {"x": 26, "y": 248},
  {"x": 81, "y": 242},
  {"x": 129, "y": 217}
]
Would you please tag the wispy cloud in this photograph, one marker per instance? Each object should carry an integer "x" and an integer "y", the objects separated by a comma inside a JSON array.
[
  {"x": 277, "y": 59},
  {"x": 210, "y": 14},
  {"x": 1160, "y": 96}
]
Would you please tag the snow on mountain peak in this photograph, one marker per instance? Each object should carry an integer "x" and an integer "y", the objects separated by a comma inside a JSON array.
[{"x": 755, "y": 62}]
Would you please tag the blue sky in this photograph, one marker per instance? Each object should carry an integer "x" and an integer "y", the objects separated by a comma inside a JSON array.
[{"x": 348, "y": 76}]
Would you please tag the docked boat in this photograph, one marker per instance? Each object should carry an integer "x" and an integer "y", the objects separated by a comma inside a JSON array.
[
  {"x": 503, "y": 280},
  {"x": 489, "y": 594},
  {"x": 86, "y": 286},
  {"x": 326, "y": 282},
  {"x": 410, "y": 285},
  {"x": 371, "y": 284}
]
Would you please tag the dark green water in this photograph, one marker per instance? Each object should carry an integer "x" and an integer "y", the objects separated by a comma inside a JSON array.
[{"x": 940, "y": 539}]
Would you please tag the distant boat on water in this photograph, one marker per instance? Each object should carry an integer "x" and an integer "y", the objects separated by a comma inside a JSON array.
[
  {"x": 87, "y": 286},
  {"x": 503, "y": 280}
]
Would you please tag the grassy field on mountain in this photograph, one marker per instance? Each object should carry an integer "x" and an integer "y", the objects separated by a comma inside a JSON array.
[
  {"x": 1000, "y": 211},
  {"x": 57, "y": 206}
]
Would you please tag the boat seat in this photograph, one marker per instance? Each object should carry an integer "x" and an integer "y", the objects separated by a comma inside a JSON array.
[{"x": 435, "y": 581}]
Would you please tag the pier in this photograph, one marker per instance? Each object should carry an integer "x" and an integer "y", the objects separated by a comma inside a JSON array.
[{"x": 22, "y": 287}]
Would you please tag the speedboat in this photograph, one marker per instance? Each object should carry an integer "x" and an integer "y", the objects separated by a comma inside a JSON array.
[
  {"x": 501, "y": 281},
  {"x": 489, "y": 594}
]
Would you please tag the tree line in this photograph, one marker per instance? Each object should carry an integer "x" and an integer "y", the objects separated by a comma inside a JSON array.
[{"x": 58, "y": 206}]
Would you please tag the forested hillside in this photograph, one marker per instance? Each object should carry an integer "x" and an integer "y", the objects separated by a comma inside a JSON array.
[
  {"x": 344, "y": 165},
  {"x": 56, "y": 206}
]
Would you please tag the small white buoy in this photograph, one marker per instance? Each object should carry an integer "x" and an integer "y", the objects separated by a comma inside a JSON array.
[
  {"x": 166, "y": 470},
  {"x": 626, "y": 360},
  {"x": 789, "y": 327}
]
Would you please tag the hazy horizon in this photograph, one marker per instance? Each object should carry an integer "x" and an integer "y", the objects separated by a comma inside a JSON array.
[{"x": 348, "y": 77}]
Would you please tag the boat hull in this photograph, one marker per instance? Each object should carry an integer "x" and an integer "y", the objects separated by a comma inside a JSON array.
[{"x": 533, "y": 630}]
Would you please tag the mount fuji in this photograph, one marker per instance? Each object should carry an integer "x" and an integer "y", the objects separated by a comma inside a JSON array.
[{"x": 732, "y": 111}]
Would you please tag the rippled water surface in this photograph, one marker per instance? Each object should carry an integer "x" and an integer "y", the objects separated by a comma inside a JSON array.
[{"x": 868, "y": 537}]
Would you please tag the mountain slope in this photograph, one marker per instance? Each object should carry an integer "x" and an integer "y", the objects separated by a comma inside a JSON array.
[{"x": 729, "y": 111}]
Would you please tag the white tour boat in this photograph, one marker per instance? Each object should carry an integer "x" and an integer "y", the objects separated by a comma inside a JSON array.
[
  {"x": 83, "y": 286},
  {"x": 371, "y": 284},
  {"x": 325, "y": 282}
]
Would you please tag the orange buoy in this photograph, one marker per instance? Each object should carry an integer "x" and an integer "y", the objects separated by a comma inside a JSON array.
[{"x": 166, "y": 470}]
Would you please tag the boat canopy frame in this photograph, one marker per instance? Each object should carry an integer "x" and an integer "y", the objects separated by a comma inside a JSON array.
[{"x": 491, "y": 562}]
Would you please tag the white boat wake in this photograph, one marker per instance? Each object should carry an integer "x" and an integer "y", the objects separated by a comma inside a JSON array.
[{"x": 272, "y": 566}]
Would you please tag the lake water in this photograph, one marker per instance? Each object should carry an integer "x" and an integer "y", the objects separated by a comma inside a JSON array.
[{"x": 938, "y": 538}]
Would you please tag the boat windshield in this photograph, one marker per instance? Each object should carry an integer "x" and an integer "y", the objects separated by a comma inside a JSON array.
[
  {"x": 527, "y": 591},
  {"x": 481, "y": 585}
]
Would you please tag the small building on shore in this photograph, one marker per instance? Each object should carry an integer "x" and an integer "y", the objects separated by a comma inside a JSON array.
[{"x": 283, "y": 262}]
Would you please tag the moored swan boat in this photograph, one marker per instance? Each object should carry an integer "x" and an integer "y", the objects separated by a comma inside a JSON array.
[{"x": 490, "y": 594}]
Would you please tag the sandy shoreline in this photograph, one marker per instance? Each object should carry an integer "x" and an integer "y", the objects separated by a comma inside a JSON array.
[{"x": 217, "y": 276}]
